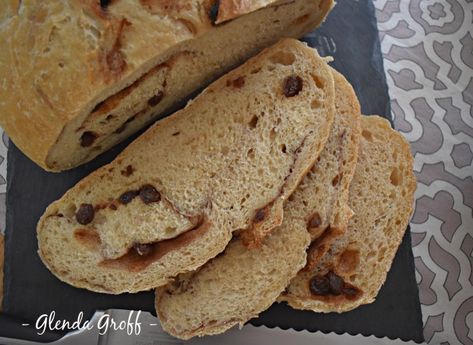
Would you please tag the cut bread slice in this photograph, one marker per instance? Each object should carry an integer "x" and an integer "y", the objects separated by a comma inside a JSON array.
[
  {"x": 381, "y": 195},
  {"x": 171, "y": 200},
  {"x": 246, "y": 281},
  {"x": 331, "y": 176}
]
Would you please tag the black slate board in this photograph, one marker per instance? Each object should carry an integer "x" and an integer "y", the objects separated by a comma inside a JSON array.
[{"x": 350, "y": 36}]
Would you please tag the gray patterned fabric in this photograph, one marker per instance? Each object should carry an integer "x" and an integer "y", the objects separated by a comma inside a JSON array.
[{"x": 428, "y": 58}]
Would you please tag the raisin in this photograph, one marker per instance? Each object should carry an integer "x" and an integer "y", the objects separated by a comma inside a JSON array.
[
  {"x": 87, "y": 139},
  {"x": 319, "y": 285},
  {"x": 127, "y": 197},
  {"x": 85, "y": 214},
  {"x": 292, "y": 86},
  {"x": 149, "y": 194},
  {"x": 335, "y": 282},
  {"x": 154, "y": 101},
  {"x": 143, "y": 249},
  {"x": 315, "y": 221}
]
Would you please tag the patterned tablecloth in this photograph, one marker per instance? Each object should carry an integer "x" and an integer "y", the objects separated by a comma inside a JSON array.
[{"x": 428, "y": 58}]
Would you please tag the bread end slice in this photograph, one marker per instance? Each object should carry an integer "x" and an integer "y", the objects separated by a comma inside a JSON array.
[{"x": 381, "y": 196}]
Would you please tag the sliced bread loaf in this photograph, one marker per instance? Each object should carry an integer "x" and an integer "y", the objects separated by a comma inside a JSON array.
[
  {"x": 354, "y": 268},
  {"x": 240, "y": 283},
  {"x": 171, "y": 200},
  {"x": 77, "y": 77}
]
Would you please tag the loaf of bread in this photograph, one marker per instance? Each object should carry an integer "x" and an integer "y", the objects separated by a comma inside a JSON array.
[
  {"x": 77, "y": 77},
  {"x": 241, "y": 283},
  {"x": 354, "y": 268},
  {"x": 171, "y": 200}
]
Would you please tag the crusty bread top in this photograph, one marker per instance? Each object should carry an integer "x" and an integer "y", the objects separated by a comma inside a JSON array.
[
  {"x": 59, "y": 58},
  {"x": 226, "y": 162},
  {"x": 381, "y": 196},
  {"x": 247, "y": 281}
]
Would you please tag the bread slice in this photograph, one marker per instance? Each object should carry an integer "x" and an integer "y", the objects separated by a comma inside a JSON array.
[
  {"x": 381, "y": 195},
  {"x": 330, "y": 178},
  {"x": 171, "y": 200},
  {"x": 77, "y": 77},
  {"x": 245, "y": 282}
]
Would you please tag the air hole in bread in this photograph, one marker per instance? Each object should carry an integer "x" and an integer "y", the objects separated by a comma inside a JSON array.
[
  {"x": 272, "y": 134},
  {"x": 253, "y": 122},
  {"x": 127, "y": 171},
  {"x": 283, "y": 58},
  {"x": 251, "y": 153},
  {"x": 370, "y": 255},
  {"x": 283, "y": 148},
  {"x": 335, "y": 180},
  {"x": 315, "y": 104},
  {"x": 156, "y": 99},
  {"x": 396, "y": 177},
  {"x": 313, "y": 169},
  {"x": 87, "y": 138},
  {"x": 318, "y": 82},
  {"x": 367, "y": 135}
]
